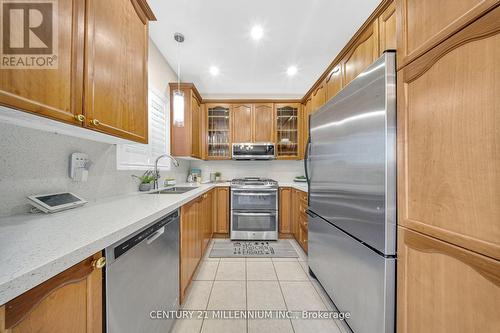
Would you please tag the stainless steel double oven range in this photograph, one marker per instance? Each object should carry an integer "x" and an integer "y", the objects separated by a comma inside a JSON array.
[{"x": 254, "y": 209}]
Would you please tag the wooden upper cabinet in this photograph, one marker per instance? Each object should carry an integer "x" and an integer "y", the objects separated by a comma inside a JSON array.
[
  {"x": 241, "y": 115},
  {"x": 288, "y": 130},
  {"x": 196, "y": 131},
  {"x": 116, "y": 62},
  {"x": 218, "y": 131},
  {"x": 69, "y": 302},
  {"x": 442, "y": 19},
  {"x": 334, "y": 82},
  {"x": 362, "y": 53},
  {"x": 318, "y": 97},
  {"x": 445, "y": 288},
  {"x": 448, "y": 135},
  {"x": 263, "y": 122},
  {"x": 387, "y": 28},
  {"x": 186, "y": 139},
  {"x": 54, "y": 93}
]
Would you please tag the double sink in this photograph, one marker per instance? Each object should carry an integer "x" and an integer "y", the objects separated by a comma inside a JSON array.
[{"x": 175, "y": 190}]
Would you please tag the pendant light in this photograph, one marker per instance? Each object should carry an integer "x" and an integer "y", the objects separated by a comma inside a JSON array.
[{"x": 178, "y": 94}]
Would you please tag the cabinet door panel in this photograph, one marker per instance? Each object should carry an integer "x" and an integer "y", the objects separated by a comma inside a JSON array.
[
  {"x": 285, "y": 210},
  {"x": 444, "y": 288},
  {"x": 69, "y": 302},
  {"x": 53, "y": 93},
  {"x": 288, "y": 130},
  {"x": 242, "y": 122},
  {"x": 116, "y": 69},
  {"x": 334, "y": 82},
  {"x": 263, "y": 122},
  {"x": 318, "y": 97},
  {"x": 221, "y": 222},
  {"x": 442, "y": 19},
  {"x": 387, "y": 28},
  {"x": 196, "y": 117},
  {"x": 362, "y": 54},
  {"x": 188, "y": 245},
  {"x": 448, "y": 135},
  {"x": 208, "y": 213}
]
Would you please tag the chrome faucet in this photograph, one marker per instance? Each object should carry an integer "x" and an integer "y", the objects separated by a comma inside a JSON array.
[{"x": 157, "y": 173}]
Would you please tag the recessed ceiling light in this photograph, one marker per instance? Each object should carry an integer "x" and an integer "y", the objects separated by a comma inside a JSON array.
[
  {"x": 214, "y": 70},
  {"x": 257, "y": 32},
  {"x": 291, "y": 71}
]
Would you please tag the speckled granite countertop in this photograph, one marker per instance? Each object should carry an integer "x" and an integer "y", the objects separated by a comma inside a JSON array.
[{"x": 34, "y": 248}]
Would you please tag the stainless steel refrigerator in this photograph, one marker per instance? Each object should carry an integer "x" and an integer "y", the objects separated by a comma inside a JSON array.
[{"x": 351, "y": 171}]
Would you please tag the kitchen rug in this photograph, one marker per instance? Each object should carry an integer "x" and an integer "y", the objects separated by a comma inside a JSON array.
[{"x": 223, "y": 248}]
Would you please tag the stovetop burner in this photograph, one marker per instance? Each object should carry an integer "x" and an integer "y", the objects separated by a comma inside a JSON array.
[{"x": 254, "y": 182}]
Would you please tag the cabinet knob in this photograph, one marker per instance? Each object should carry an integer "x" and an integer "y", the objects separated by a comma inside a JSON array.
[
  {"x": 95, "y": 122},
  {"x": 80, "y": 118},
  {"x": 99, "y": 263}
]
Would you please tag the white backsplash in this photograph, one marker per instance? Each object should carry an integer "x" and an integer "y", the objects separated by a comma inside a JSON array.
[
  {"x": 280, "y": 170},
  {"x": 36, "y": 162}
]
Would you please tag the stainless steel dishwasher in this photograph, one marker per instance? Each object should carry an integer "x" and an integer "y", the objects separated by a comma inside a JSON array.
[{"x": 142, "y": 275}]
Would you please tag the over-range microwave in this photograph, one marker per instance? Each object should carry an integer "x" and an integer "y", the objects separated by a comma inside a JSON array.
[{"x": 253, "y": 151}]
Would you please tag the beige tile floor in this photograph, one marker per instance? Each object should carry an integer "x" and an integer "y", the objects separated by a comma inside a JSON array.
[{"x": 256, "y": 284}]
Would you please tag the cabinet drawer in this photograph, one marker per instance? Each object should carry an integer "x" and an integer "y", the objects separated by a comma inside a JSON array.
[{"x": 445, "y": 288}]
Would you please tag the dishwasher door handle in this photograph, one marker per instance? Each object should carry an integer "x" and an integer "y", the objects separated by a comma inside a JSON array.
[{"x": 154, "y": 236}]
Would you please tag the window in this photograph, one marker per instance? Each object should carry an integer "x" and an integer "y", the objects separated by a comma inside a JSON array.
[{"x": 140, "y": 156}]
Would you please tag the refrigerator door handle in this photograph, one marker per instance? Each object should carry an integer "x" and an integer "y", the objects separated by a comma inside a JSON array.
[
  {"x": 306, "y": 158},
  {"x": 311, "y": 214}
]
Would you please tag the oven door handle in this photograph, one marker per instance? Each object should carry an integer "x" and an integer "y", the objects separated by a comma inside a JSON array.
[
  {"x": 254, "y": 214},
  {"x": 254, "y": 194},
  {"x": 253, "y": 189}
]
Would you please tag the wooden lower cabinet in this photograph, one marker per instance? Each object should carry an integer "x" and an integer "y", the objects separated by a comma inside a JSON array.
[
  {"x": 189, "y": 244},
  {"x": 302, "y": 236},
  {"x": 195, "y": 234},
  {"x": 207, "y": 217},
  {"x": 285, "y": 211},
  {"x": 69, "y": 302},
  {"x": 297, "y": 216},
  {"x": 302, "y": 220},
  {"x": 445, "y": 288},
  {"x": 221, "y": 211}
]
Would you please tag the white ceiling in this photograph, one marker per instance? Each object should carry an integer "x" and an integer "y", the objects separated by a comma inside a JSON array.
[{"x": 305, "y": 33}]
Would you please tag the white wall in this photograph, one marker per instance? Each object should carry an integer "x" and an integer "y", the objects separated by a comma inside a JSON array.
[
  {"x": 35, "y": 162},
  {"x": 283, "y": 171}
]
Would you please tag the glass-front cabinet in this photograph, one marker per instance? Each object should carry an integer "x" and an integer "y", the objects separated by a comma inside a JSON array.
[
  {"x": 287, "y": 131},
  {"x": 218, "y": 131}
]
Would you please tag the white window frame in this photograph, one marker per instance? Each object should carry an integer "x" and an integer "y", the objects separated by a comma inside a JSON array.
[{"x": 141, "y": 156}]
